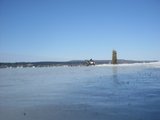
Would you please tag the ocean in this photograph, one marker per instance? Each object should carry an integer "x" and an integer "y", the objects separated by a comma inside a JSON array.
[{"x": 106, "y": 92}]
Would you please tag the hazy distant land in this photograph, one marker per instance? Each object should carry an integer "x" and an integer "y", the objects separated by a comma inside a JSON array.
[{"x": 66, "y": 63}]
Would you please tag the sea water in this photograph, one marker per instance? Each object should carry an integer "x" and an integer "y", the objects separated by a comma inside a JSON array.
[{"x": 120, "y": 92}]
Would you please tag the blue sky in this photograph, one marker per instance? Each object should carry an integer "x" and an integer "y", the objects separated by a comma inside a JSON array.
[{"x": 60, "y": 30}]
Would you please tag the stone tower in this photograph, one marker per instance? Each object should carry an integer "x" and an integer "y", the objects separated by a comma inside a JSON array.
[{"x": 114, "y": 57}]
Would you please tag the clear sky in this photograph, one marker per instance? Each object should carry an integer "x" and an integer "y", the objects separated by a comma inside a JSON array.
[{"x": 52, "y": 30}]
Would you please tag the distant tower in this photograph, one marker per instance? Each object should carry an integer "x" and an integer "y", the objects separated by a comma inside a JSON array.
[{"x": 114, "y": 57}]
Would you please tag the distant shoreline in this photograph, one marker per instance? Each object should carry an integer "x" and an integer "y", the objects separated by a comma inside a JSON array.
[{"x": 67, "y": 63}]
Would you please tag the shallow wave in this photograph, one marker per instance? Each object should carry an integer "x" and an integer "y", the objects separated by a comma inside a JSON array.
[{"x": 152, "y": 64}]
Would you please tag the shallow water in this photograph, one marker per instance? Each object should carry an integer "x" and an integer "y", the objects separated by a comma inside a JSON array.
[{"x": 80, "y": 93}]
